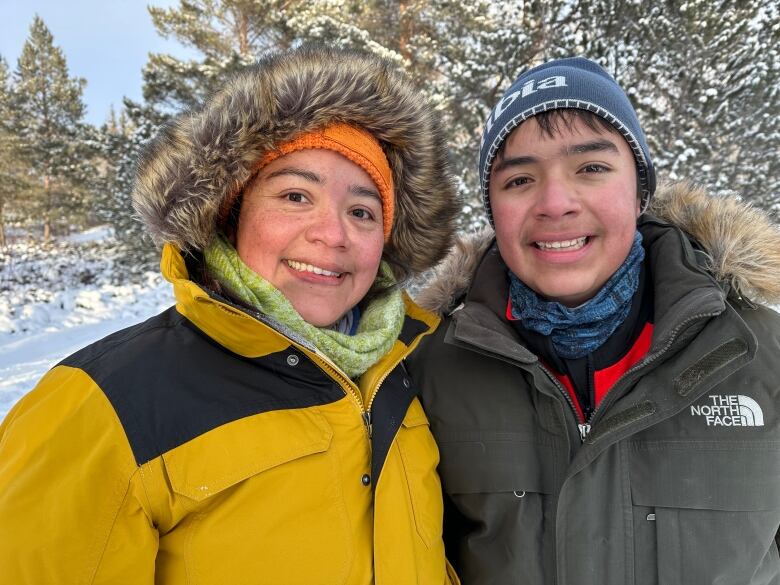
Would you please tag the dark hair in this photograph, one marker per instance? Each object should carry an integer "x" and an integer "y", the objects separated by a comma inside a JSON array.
[{"x": 553, "y": 122}]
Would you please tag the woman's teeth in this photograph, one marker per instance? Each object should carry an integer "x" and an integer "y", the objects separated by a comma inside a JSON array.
[
  {"x": 575, "y": 244},
  {"x": 302, "y": 267}
]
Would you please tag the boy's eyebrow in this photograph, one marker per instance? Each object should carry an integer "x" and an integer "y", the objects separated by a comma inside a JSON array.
[
  {"x": 575, "y": 149},
  {"x": 592, "y": 146},
  {"x": 515, "y": 161}
]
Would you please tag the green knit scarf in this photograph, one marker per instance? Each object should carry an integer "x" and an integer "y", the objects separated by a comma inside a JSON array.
[{"x": 379, "y": 326}]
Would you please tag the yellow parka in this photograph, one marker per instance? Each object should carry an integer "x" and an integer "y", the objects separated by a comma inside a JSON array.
[{"x": 204, "y": 447}]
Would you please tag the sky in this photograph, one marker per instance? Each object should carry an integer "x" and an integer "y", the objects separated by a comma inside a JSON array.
[{"x": 105, "y": 41}]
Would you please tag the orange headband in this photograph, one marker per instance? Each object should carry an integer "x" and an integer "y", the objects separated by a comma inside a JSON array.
[{"x": 357, "y": 145}]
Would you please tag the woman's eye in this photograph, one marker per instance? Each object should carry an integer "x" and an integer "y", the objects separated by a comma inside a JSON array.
[
  {"x": 361, "y": 213},
  {"x": 296, "y": 197}
]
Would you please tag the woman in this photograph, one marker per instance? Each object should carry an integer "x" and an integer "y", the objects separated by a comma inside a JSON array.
[{"x": 263, "y": 430}]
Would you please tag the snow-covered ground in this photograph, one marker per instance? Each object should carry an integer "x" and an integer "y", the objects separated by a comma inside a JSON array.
[{"x": 56, "y": 299}]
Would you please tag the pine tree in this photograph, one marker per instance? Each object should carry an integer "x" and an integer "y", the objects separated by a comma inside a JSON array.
[
  {"x": 13, "y": 180},
  {"x": 226, "y": 34},
  {"x": 47, "y": 112}
]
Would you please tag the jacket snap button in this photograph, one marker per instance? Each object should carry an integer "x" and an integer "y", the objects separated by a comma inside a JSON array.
[
  {"x": 407, "y": 383},
  {"x": 292, "y": 360},
  {"x": 366, "y": 479}
]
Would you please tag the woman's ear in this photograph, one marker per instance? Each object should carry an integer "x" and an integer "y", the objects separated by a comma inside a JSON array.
[{"x": 230, "y": 223}]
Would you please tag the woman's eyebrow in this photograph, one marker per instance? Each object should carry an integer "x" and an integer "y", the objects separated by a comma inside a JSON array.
[
  {"x": 303, "y": 173},
  {"x": 366, "y": 191}
]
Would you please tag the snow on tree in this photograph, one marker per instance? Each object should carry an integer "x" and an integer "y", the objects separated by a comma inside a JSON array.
[{"x": 120, "y": 141}]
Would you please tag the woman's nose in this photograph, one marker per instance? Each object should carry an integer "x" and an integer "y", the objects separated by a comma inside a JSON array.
[{"x": 328, "y": 226}]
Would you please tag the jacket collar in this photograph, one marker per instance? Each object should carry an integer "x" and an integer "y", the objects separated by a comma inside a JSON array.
[
  {"x": 246, "y": 334},
  {"x": 684, "y": 294}
]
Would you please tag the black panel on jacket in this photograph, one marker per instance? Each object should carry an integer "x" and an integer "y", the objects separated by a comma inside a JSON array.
[
  {"x": 387, "y": 413},
  {"x": 170, "y": 383},
  {"x": 411, "y": 329}
]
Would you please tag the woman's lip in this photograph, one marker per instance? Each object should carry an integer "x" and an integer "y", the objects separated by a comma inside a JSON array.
[
  {"x": 313, "y": 278},
  {"x": 310, "y": 267}
]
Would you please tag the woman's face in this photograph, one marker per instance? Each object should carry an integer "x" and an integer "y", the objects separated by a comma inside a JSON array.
[{"x": 311, "y": 225}]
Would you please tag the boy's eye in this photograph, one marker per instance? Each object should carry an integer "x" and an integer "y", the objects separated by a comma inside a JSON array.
[
  {"x": 517, "y": 182},
  {"x": 595, "y": 168}
]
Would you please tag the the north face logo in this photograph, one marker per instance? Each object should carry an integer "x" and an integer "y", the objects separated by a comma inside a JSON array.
[{"x": 733, "y": 410}]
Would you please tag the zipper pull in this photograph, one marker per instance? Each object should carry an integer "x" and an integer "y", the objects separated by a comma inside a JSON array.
[
  {"x": 367, "y": 422},
  {"x": 584, "y": 431}
]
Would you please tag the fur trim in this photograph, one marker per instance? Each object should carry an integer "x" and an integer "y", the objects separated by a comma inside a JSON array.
[
  {"x": 741, "y": 241},
  {"x": 205, "y": 156},
  {"x": 451, "y": 279}
]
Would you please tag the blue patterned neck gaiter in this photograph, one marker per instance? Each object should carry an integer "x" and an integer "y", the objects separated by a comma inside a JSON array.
[{"x": 576, "y": 332}]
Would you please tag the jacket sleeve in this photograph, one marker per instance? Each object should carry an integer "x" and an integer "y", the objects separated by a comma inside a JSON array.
[{"x": 72, "y": 508}]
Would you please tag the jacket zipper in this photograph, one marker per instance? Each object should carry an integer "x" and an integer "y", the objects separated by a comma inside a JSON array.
[
  {"x": 347, "y": 385},
  {"x": 349, "y": 389},
  {"x": 565, "y": 394},
  {"x": 611, "y": 395}
]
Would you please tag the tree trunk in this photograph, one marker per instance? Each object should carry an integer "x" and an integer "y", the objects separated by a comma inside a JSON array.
[
  {"x": 3, "y": 242},
  {"x": 47, "y": 213}
]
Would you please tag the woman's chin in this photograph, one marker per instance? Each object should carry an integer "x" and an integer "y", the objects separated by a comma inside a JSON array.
[{"x": 323, "y": 318}]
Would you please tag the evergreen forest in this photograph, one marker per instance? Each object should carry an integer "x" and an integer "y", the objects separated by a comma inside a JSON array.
[{"x": 704, "y": 76}]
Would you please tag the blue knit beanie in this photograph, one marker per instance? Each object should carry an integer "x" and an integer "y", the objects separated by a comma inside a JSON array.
[{"x": 574, "y": 83}]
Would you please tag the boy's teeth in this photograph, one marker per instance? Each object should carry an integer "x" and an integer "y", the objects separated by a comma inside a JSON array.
[
  {"x": 302, "y": 267},
  {"x": 563, "y": 244}
]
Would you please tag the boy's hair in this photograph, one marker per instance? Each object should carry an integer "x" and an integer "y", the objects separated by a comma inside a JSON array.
[{"x": 552, "y": 121}]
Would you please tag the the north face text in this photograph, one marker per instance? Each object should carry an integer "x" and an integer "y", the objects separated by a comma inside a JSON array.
[{"x": 732, "y": 410}]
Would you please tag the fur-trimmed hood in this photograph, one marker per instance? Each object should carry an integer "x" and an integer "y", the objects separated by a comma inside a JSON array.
[
  {"x": 205, "y": 156},
  {"x": 742, "y": 244}
]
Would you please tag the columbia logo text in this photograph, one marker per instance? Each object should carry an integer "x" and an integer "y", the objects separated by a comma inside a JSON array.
[
  {"x": 732, "y": 410},
  {"x": 529, "y": 87}
]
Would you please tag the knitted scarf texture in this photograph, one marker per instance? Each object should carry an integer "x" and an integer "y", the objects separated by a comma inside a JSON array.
[
  {"x": 576, "y": 332},
  {"x": 377, "y": 329}
]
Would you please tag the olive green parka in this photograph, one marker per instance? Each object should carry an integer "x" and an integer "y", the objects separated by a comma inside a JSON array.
[{"x": 677, "y": 479}]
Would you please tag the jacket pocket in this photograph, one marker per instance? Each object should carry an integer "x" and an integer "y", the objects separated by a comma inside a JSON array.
[
  {"x": 500, "y": 486},
  {"x": 705, "y": 512},
  {"x": 420, "y": 456},
  {"x": 489, "y": 462},
  {"x": 268, "y": 506}
]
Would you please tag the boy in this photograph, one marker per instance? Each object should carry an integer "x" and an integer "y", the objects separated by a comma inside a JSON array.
[{"x": 602, "y": 389}]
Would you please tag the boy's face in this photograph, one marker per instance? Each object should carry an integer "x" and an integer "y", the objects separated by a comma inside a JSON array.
[{"x": 565, "y": 208}]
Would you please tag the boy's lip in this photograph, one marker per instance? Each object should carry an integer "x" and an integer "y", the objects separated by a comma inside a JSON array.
[{"x": 559, "y": 244}]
